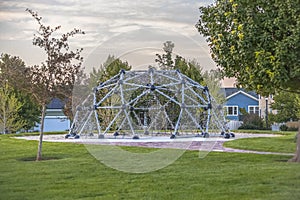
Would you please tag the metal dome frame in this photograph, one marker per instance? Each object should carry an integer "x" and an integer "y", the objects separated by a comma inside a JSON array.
[
  {"x": 128, "y": 94},
  {"x": 187, "y": 94}
]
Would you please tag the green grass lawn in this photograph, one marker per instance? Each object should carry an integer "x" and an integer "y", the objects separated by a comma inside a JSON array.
[
  {"x": 264, "y": 132},
  {"x": 284, "y": 144},
  {"x": 73, "y": 173}
]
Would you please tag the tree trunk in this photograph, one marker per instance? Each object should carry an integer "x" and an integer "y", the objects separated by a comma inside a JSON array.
[
  {"x": 4, "y": 122},
  {"x": 296, "y": 158},
  {"x": 39, "y": 153}
]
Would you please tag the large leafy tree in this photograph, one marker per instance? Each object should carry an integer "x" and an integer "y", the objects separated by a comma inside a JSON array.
[
  {"x": 12, "y": 76},
  {"x": 257, "y": 42},
  {"x": 166, "y": 61},
  {"x": 85, "y": 84},
  {"x": 111, "y": 67},
  {"x": 287, "y": 105},
  {"x": 190, "y": 68},
  {"x": 12, "y": 71},
  {"x": 55, "y": 77}
]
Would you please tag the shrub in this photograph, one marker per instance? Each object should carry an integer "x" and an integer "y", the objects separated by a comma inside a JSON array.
[
  {"x": 249, "y": 127},
  {"x": 283, "y": 127},
  {"x": 252, "y": 121},
  {"x": 286, "y": 128},
  {"x": 292, "y": 129}
]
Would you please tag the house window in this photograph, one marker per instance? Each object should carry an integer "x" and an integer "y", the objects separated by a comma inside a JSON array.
[
  {"x": 253, "y": 110},
  {"x": 232, "y": 110}
]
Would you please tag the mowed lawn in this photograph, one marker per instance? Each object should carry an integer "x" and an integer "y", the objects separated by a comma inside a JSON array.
[
  {"x": 72, "y": 173},
  {"x": 284, "y": 144}
]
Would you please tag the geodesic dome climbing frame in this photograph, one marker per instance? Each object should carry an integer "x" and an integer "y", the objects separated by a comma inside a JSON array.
[
  {"x": 152, "y": 101},
  {"x": 149, "y": 102}
]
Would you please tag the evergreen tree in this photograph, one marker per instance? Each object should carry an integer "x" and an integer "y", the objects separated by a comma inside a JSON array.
[
  {"x": 29, "y": 112},
  {"x": 10, "y": 107},
  {"x": 111, "y": 67}
]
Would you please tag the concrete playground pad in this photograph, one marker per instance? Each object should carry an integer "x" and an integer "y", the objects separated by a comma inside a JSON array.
[{"x": 188, "y": 143}]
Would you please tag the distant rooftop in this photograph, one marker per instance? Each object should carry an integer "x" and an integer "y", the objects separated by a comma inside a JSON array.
[
  {"x": 231, "y": 90},
  {"x": 56, "y": 104}
]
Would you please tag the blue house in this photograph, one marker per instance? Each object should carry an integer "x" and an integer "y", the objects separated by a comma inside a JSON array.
[
  {"x": 55, "y": 119},
  {"x": 237, "y": 99}
]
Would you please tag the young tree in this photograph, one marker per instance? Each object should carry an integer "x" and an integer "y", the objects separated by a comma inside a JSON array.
[
  {"x": 165, "y": 61},
  {"x": 55, "y": 77},
  {"x": 212, "y": 79},
  {"x": 9, "y": 111},
  {"x": 257, "y": 42},
  {"x": 29, "y": 112}
]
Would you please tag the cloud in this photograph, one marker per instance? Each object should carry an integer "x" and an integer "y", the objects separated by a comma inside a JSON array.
[
  {"x": 105, "y": 13},
  {"x": 116, "y": 26}
]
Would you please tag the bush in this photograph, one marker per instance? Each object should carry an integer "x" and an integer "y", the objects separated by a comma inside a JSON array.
[
  {"x": 249, "y": 126},
  {"x": 252, "y": 121},
  {"x": 283, "y": 127},
  {"x": 292, "y": 129},
  {"x": 286, "y": 128}
]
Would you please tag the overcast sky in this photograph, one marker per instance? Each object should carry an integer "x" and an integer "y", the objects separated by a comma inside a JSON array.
[{"x": 131, "y": 30}]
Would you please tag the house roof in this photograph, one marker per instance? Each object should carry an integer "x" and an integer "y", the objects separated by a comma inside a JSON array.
[
  {"x": 56, "y": 104},
  {"x": 230, "y": 92}
]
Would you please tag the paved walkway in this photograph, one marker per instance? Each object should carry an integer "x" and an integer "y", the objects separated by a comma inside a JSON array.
[{"x": 188, "y": 143}]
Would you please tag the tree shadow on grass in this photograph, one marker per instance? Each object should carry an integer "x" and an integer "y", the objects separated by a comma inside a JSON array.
[
  {"x": 44, "y": 158},
  {"x": 283, "y": 159}
]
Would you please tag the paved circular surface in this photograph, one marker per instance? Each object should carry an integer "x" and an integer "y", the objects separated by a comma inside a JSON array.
[{"x": 194, "y": 143}]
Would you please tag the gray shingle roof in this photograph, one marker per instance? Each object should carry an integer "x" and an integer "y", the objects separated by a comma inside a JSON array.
[
  {"x": 230, "y": 91},
  {"x": 56, "y": 104}
]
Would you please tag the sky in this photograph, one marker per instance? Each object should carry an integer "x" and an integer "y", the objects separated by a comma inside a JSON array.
[{"x": 130, "y": 30}]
